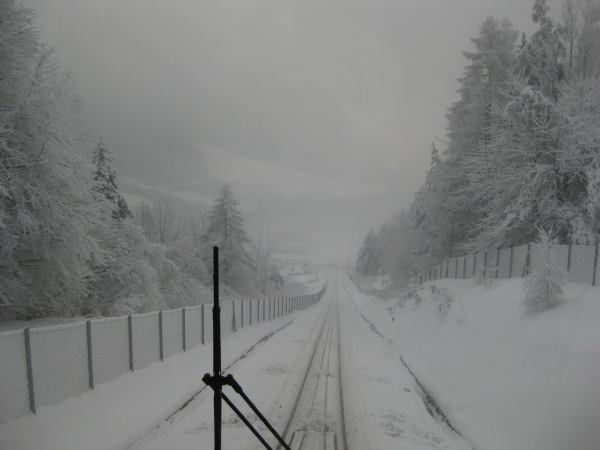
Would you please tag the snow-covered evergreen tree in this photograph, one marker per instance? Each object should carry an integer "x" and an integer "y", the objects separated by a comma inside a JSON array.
[
  {"x": 225, "y": 229},
  {"x": 444, "y": 201},
  {"x": 106, "y": 182},
  {"x": 275, "y": 277},
  {"x": 398, "y": 248},
  {"x": 544, "y": 287},
  {"x": 541, "y": 61},
  {"x": 367, "y": 262}
]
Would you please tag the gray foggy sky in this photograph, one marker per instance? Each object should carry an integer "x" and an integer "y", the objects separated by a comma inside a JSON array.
[{"x": 319, "y": 114}]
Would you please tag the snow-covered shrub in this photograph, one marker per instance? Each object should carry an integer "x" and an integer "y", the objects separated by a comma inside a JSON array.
[
  {"x": 544, "y": 287},
  {"x": 486, "y": 278},
  {"x": 411, "y": 290}
]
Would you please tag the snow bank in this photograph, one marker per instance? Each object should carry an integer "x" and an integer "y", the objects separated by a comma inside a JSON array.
[{"x": 505, "y": 379}]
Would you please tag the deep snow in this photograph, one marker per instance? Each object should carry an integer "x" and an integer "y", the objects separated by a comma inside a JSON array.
[{"x": 504, "y": 379}]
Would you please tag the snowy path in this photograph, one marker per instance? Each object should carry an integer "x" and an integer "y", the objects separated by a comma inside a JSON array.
[{"x": 294, "y": 379}]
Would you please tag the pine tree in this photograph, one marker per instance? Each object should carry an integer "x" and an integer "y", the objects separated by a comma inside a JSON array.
[
  {"x": 541, "y": 61},
  {"x": 444, "y": 199},
  {"x": 367, "y": 262},
  {"x": 106, "y": 182},
  {"x": 225, "y": 229},
  {"x": 544, "y": 287}
]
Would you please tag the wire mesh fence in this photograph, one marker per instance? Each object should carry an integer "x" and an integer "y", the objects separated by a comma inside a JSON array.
[{"x": 43, "y": 366}]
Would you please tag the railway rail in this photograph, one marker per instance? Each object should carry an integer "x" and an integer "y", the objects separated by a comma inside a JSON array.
[{"x": 317, "y": 420}]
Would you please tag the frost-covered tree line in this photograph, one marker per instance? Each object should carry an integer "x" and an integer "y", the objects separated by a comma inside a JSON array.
[
  {"x": 522, "y": 153},
  {"x": 69, "y": 242}
]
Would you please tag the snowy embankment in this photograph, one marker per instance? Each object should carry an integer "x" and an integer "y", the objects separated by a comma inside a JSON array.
[{"x": 505, "y": 380}]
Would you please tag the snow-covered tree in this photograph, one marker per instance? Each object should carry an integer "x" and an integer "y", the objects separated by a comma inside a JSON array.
[
  {"x": 367, "y": 262},
  {"x": 542, "y": 169},
  {"x": 544, "y": 287},
  {"x": 398, "y": 248},
  {"x": 275, "y": 277},
  {"x": 580, "y": 33},
  {"x": 46, "y": 210},
  {"x": 225, "y": 229},
  {"x": 443, "y": 211},
  {"x": 106, "y": 182},
  {"x": 541, "y": 61}
]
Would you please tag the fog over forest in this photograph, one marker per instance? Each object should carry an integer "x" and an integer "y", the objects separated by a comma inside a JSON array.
[
  {"x": 390, "y": 135},
  {"x": 320, "y": 115}
]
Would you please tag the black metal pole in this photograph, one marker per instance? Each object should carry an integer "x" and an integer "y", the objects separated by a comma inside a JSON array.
[
  {"x": 218, "y": 387},
  {"x": 248, "y": 424}
]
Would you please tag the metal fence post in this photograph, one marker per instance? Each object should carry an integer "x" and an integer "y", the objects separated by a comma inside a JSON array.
[
  {"x": 233, "y": 324},
  {"x": 497, "y": 261},
  {"x": 569, "y": 260},
  {"x": 183, "y": 328},
  {"x": 88, "y": 327},
  {"x": 526, "y": 265},
  {"x": 202, "y": 318},
  {"x": 484, "y": 263},
  {"x": 456, "y": 267},
  {"x": 29, "y": 370},
  {"x": 130, "y": 327},
  {"x": 160, "y": 335},
  {"x": 464, "y": 267},
  {"x": 595, "y": 265}
]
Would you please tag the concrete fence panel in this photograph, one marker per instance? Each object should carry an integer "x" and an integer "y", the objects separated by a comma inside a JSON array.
[
  {"x": 469, "y": 266},
  {"x": 193, "y": 326},
  {"x": 519, "y": 260},
  {"x": 172, "y": 332},
  {"x": 504, "y": 263},
  {"x": 14, "y": 392},
  {"x": 561, "y": 255},
  {"x": 479, "y": 262},
  {"x": 208, "y": 323},
  {"x": 460, "y": 267},
  {"x": 226, "y": 318},
  {"x": 60, "y": 362},
  {"x": 582, "y": 263},
  {"x": 145, "y": 339},
  {"x": 110, "y": 355}
]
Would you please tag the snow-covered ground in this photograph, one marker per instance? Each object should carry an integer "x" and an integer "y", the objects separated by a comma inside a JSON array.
[{"x": 504, "y": 380}]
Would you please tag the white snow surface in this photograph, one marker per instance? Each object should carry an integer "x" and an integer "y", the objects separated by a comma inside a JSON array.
[{"x": 505, "y": 380}]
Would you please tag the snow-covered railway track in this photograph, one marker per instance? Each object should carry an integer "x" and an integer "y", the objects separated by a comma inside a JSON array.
[{"x": 316, "y": 421}]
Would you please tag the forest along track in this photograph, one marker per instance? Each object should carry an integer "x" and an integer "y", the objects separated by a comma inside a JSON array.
[{"x": 317, "y": 421}]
